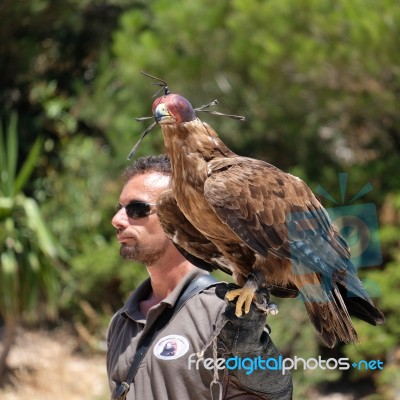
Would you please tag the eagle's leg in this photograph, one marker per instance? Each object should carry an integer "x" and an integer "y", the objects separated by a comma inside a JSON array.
[
  {"x": 245, "y": 295},
  {"x": 262, "y": 302}
]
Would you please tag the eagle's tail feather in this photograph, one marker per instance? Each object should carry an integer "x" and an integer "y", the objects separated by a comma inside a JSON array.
[
  {"x": 356, "y": 298},
  {"x": 361, "y": 308},
  {"x": 329, "y": 315}
]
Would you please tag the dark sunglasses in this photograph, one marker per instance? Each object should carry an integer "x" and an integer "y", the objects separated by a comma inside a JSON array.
[{"x": 137, "y": 209}]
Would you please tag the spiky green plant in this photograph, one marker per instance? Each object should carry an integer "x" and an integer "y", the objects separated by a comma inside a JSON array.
[{"x": 28, "y": 252}]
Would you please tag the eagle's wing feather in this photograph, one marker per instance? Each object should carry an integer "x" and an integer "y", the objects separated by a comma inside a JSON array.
[{"x": 272, "y": 211}]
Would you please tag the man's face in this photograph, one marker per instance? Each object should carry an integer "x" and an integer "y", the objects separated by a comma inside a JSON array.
[{"x": 141, "y": 239}]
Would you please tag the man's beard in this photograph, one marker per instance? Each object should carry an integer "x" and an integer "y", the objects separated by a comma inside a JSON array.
[{"x": 146, "y": 255}]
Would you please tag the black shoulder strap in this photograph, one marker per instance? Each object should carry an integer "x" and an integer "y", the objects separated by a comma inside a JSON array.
[
  {"x": 190, "y": 290},
  {"x": 194, "y": 287}
]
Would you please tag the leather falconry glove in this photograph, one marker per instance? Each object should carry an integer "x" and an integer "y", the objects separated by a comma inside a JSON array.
[{"x": 247, "y": 337}]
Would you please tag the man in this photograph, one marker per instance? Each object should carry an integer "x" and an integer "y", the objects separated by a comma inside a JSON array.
[{"x": 173, "y": 367}]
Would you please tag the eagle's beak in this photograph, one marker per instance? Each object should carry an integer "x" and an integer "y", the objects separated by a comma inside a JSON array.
[{"x": 161, "y": 113}]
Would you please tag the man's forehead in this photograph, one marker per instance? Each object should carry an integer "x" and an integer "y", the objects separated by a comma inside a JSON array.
[
  {"x": 144, "y": 187},
  {"x": 155, "y": 179},
  {"x": 149, "y": 181}
]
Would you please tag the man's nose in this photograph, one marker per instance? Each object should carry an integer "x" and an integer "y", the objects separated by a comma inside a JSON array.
[{"x": 120, "y": 219}]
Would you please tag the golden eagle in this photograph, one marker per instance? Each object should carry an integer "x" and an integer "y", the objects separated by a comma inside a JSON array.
[{"x": 258, "y": 223}]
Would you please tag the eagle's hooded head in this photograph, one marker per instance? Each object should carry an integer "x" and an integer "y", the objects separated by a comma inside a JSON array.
[{"x": 172, "y": 109}]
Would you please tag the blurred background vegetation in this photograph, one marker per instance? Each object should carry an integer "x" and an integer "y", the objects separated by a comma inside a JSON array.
[{"x": 318, "y": 82}]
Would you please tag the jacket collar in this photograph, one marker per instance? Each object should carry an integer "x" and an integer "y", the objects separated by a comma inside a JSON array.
[{"x": 131, "y": 308}]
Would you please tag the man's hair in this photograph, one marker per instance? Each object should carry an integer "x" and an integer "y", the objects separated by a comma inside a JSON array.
[{"x": 142, "y": 165}]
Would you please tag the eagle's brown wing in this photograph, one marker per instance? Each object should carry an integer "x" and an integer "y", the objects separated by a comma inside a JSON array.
[{"x": 275, "y": 212}]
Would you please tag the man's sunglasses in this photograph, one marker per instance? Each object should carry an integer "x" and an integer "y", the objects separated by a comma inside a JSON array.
[{"x": 137, "y": 209}]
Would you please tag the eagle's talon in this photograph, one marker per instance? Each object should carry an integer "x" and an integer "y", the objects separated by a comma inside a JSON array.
[{"x": 245, "y": 297}]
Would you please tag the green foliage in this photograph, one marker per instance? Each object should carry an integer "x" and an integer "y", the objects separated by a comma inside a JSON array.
[
  {"x": 306, "y": 89},
  {"x": 28, "y": 251}
]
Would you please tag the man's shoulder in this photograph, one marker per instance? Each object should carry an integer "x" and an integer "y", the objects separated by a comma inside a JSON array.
[
  {"x": 206, "y": 301},
  {"x": 197, "y": 284}
]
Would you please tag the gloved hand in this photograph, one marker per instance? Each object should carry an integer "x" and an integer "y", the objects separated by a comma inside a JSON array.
[
  {"x": 241, "y": 335},
  {"x": 246, "y": 337}
]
